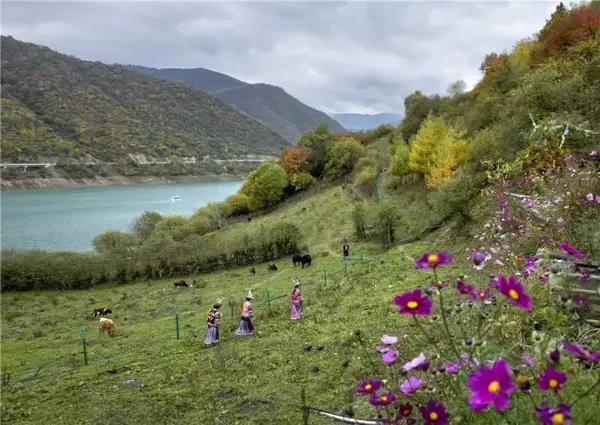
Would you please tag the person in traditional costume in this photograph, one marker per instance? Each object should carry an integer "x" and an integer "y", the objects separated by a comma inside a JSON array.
[
  {"x": 246, "y": 326},
  {"x": 296, "y": 300},
  {"x": 213, "y": 321}
]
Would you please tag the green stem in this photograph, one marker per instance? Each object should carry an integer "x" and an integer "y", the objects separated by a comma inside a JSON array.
[
  {"x": 448, "y": 334},
  {"x": 429, "y": 338}
]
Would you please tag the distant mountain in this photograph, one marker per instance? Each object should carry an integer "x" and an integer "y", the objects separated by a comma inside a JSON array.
[
  {"x": 357, "y": 122},
  {"x": 57, "y": 107},
  {"x": 271, "y": 105}
]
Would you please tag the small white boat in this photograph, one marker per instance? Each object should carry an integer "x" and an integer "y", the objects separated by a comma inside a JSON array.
[{"x": 175, "y": 198}]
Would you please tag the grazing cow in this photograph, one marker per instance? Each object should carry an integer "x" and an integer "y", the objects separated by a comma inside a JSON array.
[
  {"x": 306, "y": 260},
  {"x": 252, "y": 270},
  {"x": 107, "y": 325},
  {"x": 180, "y": 284},
  {"x": 101, "y": 312},
  {"x": 272, "y": 267},
  {"x": 297, "y": 259}
]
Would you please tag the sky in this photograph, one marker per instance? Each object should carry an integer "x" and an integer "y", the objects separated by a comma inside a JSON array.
[{"x": 363, "y": 57}]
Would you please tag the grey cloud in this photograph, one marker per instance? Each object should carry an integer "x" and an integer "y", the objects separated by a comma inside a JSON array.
[{"x": 338, "y": 57}]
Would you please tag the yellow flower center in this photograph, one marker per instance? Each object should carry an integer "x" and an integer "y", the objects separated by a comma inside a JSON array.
[
  {"x": 494, "y": 387},
  {"x": 553, "y": 383},
  {"x": 433, "y": 416},
  {"x": 384, "y": 398},
  {"x": 513, "y": 294},
  {"x": 586, "y": 354},
  {"x": 521, "y": 379},
  {"x": 368, "y": 387},
  {"x": 412, "y": 304},
  {"x": 558, "y": 419},
  {"x": 432, "y": 259}
]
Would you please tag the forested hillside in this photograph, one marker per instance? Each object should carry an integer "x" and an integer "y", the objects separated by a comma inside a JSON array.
[
  {"x": 57, "y": 107},
  {"x": 271, "y": 105}
]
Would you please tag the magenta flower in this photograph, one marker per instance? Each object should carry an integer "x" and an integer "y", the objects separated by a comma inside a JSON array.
[
  {"x": 597, "y": 199},
  {"x": 479, "y": 259},
  {"x": 420, "y": 362},
  {"x": 451, "y": 367},
  {"x": 481, "y": 294},
  {"x": 543, "y": 277},
  {"x": 571, "y": 250},
  {"x": 582, "y": 352},
  {"x": 551, "y": 379},
  {"x": 584, "y": 277},
  {"x": 405, "y": 410},
  {"x": 513, "y": 290},
  {"x": 531, "y": 261},
  {"x": 434, "y": 413},
  {"x": 464, "y": 288},
  {"x": 431, "y": 261},
  {"x": 554, "y": 356},
  {"x": 589, "y": 197},
  {"x": 368, "y": 386},
  {"x": 411, "y": 385},
  {"x": 382, "y": 399},
  {"x": 389, "y": 356},
  {"x": 413, "y": 302},
  {"x": 580, "y": 300},
  {"x": 491, "y": 385},
  {"x": 560, "y": 415}
]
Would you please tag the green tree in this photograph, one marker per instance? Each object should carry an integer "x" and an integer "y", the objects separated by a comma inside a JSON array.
[
  {"x": 342, "y": 156},
  {"x": 318, "y": 142},
  {"x": 145, "y": 225},
  {"x": 387, "y": 219},
  {"x": 399, "y": 164},
  {"x": 114, "y": 242},
  {"x": 265, "y": 185}
]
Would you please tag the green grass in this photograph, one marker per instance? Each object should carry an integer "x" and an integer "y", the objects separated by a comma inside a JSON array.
[{"x": 146, "y": 376}]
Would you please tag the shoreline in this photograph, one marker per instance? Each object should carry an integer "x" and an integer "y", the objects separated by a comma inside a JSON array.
[{"x": 117, "y": 180}]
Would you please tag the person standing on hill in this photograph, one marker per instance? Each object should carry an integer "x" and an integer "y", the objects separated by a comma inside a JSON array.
[
  {"x": 213, "y": 321},
  {"x": 296, "y": 300},
  {"x": 246, "y": 326},
  {"x": 346, "y": 249}
]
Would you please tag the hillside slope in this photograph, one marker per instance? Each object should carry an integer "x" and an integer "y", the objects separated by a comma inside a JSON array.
[
  {"x": 57, "y": 107},
  {"x": 271, "y": 105}
]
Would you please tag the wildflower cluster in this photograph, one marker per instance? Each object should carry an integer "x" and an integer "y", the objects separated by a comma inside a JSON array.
[{"x": 457, "y": 367}]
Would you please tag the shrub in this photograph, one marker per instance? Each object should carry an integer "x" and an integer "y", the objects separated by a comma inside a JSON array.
[
  {"x": 399, "y": 163},
  {"x": 145, "y": 225},
  {"x": 239, "y": 202},
  {"x": 265, "y": 185},
  {"x": 342, "y": 157},
  {"x": 302, "y": 181},
  {"x": 318, "y": 142},
  {"x": 295, "y": 159},
  {"x": 113, "y": 241},
  {"x": 359, "y": 220}
]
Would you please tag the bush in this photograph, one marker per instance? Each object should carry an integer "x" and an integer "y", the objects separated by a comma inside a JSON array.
[
  {"x": 114, "y": 242},
  {"x": 359, "y": 220},
  {"x": 342, "y": 157},
  {"x": 265, "y": 185},
  {"x": 399, "y": 162},
  {"x": 239, "y": 202},
  {"x": 302, "y": 181},
  {"x": 145, "y": 225}
]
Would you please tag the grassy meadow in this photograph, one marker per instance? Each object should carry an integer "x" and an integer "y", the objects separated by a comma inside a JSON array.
[{"x": 145, "y": 375}]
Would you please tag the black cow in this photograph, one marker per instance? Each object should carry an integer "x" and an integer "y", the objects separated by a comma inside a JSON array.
[
  {"x": 306, "y": 260},
  {"x": 252, "y": 270},
  {"x": 272, "y": 267},
  {"x": 101, "y": 312},
  {"x": 180, "y": 284},
  {"x": 297, "y": 259}
]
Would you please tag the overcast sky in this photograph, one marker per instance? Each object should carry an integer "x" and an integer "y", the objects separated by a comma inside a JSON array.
[{"x": 337, "y": 57}]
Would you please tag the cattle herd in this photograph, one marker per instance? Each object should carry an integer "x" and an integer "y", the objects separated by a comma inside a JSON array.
[{"x": 107, "y": 325}]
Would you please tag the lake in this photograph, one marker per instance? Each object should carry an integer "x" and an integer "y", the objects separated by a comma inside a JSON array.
[{"x": 69, "y": 219}]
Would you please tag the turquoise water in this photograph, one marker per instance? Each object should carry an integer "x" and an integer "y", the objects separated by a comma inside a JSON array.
[{"x": 69, "y": 219}]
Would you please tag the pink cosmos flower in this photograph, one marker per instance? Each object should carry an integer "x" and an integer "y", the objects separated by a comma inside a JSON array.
[
  {"x": 451, "y": 367},
  {"x": 571, "y": 250},
  {"x": 382, "y": 399},
  {"x": 560, "y": 415},
  {"x": 551, "y": 379},
  {"x": 589, "y": 197},
  {"x": 582, "y": 352},
  {"x": 434, "y": 413},
  {"x": 513, "y": 290},
  {"x": 412, "y": 384},
  {"x": 432, "y": 260},
  {"x": 491, "y": 385},
  {"x": 464, "y": 288},
  {"x": 420, "y": 362},
  {"x": 389, "y": 339},
  {"x": 368, "y": 386},
  {"x": 413, "y": 302},
  {"x": 389, "y": 356},
  {"x": 479, "y": 259}
]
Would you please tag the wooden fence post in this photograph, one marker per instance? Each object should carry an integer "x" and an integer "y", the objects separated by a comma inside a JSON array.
[
  {"x": 177, "y": 325},
  {"x": 84, "y": 343}
]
